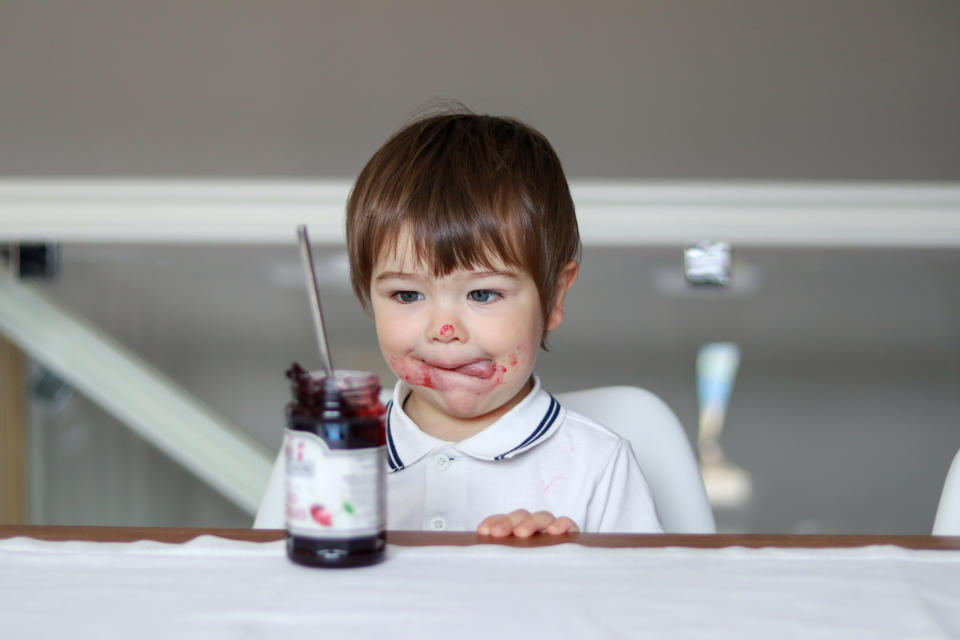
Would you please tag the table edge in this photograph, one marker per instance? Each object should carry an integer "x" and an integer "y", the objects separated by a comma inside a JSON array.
[{"x": 456, "y": 538}]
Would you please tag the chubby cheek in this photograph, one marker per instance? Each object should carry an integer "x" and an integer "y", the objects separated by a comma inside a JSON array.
[
  {"x": 413, "y": 373},
  {"x": 516, "y": 365},
  {"x": 499, "y": 374},
  {"x": 393, "y": 336},
  {"x": 522, "y": 359}
]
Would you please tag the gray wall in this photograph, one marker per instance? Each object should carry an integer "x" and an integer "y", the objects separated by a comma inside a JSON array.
[{"x": 748, "y": 89}]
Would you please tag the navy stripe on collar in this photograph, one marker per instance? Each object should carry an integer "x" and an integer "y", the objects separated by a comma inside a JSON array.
[
  {"x": 548, "y": 419},
  {"x": 393, "y": 458}
]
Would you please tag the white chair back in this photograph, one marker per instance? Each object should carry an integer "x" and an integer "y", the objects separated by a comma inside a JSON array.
[
  {"x": 947, "y": 521},
  {"x": 662, "y": 449}
]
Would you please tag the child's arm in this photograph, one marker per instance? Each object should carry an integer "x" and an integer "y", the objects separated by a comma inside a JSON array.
[{"x": 524, "y": 524}]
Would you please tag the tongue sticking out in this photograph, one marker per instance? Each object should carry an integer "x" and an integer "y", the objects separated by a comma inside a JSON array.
[{"x": 482, "y": 369}]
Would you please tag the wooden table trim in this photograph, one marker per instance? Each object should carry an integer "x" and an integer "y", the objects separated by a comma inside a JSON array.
[{"x": 427, "y": 538}]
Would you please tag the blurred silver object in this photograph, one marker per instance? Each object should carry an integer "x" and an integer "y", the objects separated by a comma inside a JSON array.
[
  {"x": 707, "y": 264},
  {"x": 314, "y": 290}
]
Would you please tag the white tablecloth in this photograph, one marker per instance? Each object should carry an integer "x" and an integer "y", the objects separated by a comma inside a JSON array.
[{"x": 217, "y": 588}]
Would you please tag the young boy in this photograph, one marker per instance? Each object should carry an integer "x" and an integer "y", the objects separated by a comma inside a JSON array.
[{"x": 463, "y": 243}]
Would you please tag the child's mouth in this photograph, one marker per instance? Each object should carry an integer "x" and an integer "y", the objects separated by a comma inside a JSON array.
[{"x": 482, "y": 369}]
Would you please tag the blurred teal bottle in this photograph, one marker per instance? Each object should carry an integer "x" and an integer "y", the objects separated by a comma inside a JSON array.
[{"x": 717, "y": 365}]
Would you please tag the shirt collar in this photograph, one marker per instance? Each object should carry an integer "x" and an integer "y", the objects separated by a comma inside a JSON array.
[{"x": 530, "y": 422}]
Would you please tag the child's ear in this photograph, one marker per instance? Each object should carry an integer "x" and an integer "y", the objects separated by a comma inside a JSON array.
[{"x": 565, "y": 280}]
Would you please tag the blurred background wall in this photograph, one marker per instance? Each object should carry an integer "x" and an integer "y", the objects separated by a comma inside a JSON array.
[
  {"x": 751, "y": 89},
  {"x": 845, "y": 408}
]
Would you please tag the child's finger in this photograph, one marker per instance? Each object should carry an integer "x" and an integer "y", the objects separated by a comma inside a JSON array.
[
  {"x": 533, "y": 523},
  {"x": 485, "y": 527},
  {"x": 502, "y": 525},
  {"x": 562, "y": 525},
  {"x": 516, "y": 523}
]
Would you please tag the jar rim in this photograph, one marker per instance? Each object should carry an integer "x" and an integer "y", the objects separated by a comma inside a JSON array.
[{"x": 345, "y": 379}]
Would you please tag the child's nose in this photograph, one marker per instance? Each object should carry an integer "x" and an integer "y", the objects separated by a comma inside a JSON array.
[{"x": 445, "y": 332}]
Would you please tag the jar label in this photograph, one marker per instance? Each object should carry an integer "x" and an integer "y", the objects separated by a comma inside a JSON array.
[{"x": 333, "y": 493}]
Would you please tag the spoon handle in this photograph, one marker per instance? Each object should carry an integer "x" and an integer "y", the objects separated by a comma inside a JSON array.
[{"x": 314, "y": 292}]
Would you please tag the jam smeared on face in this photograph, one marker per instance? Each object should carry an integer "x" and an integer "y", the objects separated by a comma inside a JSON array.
[
  {"x": 415, "y": 374},
  {"x": 431, "y": 376}
]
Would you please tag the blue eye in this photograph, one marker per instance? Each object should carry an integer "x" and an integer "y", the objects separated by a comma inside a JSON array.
[
  {"x": 406, "y": 297},
  {"x": 483, "y": 295}
]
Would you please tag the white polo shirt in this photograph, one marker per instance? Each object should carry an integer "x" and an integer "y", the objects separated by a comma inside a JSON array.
[{"x": 538, "y": 456}]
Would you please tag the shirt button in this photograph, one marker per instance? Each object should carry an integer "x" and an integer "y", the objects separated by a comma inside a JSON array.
[
  {"x": 438, "y": 523},
  {"x": 442, "y": 462}
]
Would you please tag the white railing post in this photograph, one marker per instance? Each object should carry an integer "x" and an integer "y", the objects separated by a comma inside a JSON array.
[{"x": 221, "y": 454}]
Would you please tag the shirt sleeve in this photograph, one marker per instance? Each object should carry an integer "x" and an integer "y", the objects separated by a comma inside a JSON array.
[{"x": 622, "y": 502}]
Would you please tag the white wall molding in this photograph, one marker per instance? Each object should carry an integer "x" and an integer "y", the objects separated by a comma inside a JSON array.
[{"x": 610, "y": 213}]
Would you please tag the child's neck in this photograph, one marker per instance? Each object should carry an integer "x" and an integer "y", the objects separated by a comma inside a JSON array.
[{"x": 451, "y": 428}]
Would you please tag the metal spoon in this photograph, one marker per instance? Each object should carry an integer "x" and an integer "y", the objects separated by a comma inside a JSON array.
[{"x": 314, "y": 292}]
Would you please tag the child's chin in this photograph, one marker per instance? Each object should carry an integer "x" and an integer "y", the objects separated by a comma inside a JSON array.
[
  {"x": 465, "y": 405},
  {"x": 468, "y": 405}
]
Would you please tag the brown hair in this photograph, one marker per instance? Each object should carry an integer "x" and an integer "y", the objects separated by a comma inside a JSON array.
[{"x": 468, "y": 186}]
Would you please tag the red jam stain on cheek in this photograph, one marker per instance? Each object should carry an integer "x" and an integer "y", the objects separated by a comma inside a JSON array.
[
  {"x": 516, "y": 357},
  {"x": 425, "y": 378},
  {"x": 414, "y": 374},
  {"x": 446, "y": 330}
]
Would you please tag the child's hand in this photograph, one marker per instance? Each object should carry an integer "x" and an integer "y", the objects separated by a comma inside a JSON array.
[{"x": 524, "y": 524}]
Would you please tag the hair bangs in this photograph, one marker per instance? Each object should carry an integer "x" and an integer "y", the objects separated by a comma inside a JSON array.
[{"x": 460, "y": 233}]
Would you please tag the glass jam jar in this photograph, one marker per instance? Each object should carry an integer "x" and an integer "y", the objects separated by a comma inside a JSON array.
[{"x": 334, "y": 449}]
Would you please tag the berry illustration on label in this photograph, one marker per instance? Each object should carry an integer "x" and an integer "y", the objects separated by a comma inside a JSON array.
[
  {"x": 321, "y": 515},
  {"x": 324, "y": 517}
]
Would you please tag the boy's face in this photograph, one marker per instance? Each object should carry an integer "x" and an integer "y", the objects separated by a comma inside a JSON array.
[{"x": 466, "y": 342}]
